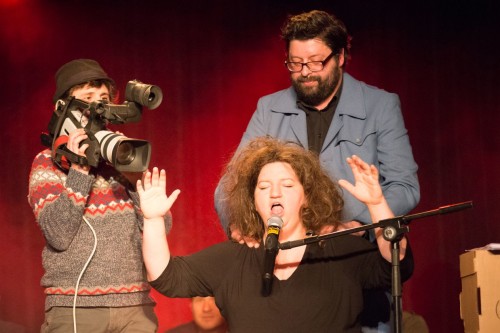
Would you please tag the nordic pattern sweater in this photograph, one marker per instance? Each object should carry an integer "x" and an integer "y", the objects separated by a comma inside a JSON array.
[{"x": 115, "y": 276}]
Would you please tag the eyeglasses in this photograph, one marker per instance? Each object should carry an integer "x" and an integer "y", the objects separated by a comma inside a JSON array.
[{"x": 313, "y": 66}]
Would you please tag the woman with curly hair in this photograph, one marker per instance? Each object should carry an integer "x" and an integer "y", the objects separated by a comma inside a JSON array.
[{"x": 315, "y": 288}]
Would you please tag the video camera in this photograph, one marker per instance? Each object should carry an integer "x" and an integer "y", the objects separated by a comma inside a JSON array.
[{"x": 124, "y": 154}]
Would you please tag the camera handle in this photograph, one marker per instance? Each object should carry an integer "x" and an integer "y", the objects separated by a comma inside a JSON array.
[
  {"x": 61, "y": 155},
  {"x": 64, "y": 157}
]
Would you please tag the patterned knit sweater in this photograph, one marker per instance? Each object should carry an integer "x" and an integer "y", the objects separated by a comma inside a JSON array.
[{"x": 116, "y": 275}]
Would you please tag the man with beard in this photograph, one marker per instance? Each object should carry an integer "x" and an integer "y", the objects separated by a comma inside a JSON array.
[{"x": 333, "y": 114}]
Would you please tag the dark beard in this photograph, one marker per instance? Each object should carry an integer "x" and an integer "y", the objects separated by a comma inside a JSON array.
[{"x": 316, "y": 95}]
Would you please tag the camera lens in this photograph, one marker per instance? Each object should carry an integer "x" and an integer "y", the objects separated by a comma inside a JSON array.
[{"x": 125, "y": 153}]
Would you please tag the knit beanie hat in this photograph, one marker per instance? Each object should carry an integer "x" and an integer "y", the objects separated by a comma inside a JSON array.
[{"x": 76, "y": 72}]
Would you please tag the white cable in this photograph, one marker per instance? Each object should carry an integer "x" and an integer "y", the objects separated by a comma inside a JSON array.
[{"x": 83, "y": 271}]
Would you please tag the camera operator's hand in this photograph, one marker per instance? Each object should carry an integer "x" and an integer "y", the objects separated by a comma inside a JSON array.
[{"x": 74, "y": 145}]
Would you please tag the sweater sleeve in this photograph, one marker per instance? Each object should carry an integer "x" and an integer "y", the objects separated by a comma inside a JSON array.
[{"x": 58, "y": 200}]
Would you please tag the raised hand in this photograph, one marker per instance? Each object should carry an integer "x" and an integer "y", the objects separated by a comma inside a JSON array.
[
  {"x": 152, "y": 194},
  {"x": 366, "y": 187},
  {"x": 75, "y": 139}
]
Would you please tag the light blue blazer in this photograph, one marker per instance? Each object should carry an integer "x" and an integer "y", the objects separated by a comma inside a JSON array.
[{"x": 368, "y": 122}]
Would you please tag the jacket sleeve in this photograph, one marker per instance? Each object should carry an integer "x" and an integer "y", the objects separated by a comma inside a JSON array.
[
  {"x": 255, "y": 128},
  {"x": 58, "y": 200},
  {"x": 397, "y": 167}
]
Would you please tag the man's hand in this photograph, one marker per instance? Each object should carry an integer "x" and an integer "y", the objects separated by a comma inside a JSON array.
[
  {"x": 350, "y": 225},
  {"x": 236, "y": 236}
]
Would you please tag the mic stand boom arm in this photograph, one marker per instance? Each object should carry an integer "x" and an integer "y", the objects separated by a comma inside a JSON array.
[
  {"x": 398, "y": 223},
  {"x": 393, "y": 231}
]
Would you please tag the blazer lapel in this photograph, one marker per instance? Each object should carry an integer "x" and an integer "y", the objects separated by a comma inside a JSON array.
[
  {"x": 350, "y": 105},
  {"x": 298, "y": 124}
]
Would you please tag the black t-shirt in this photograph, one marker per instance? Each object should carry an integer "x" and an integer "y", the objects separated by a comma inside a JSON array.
[{"x": 324, "y": 294}]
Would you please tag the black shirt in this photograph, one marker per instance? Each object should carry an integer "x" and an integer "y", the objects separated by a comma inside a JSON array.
[
  {"x": 323, "y": 295},
  {"x": 318, "y": 121}
]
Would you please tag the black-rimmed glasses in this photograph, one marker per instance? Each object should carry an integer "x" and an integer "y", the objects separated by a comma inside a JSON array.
[{"x": 313, "y": 66}]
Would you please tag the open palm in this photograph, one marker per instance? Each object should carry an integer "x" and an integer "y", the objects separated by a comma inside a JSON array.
[
  {"x": 366, "y": 187},
  {"x": 152, "y": 194}
]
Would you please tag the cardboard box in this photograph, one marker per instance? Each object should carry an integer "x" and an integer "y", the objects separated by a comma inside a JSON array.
[{"x": 480, "y": 296}]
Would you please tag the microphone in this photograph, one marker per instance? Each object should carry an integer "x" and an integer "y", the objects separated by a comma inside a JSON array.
[{"x": 271, "y": 247}]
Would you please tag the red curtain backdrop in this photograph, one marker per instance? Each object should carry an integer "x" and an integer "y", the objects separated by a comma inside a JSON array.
[{"x": 213, "y": 59}]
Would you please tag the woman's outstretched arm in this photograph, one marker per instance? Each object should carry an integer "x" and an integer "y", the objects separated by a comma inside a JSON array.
[
  {"x": 154, "y": 206},
  {"x": 367, "y": 190}
]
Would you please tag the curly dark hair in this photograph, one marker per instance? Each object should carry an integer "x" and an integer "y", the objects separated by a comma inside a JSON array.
[
  {"x": 317, "y": 24},
  {"x": 323, "y": 197},
  {"x": 113, "y": 92}
]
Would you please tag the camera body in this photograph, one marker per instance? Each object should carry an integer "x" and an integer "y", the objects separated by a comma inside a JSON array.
[{"x": 123, "y": 153}]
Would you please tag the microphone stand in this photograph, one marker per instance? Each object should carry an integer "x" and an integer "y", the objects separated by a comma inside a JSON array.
[{"x": 394, "y": 230}]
